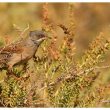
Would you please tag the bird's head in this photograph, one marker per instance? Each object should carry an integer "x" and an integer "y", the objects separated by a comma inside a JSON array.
[{"x": 37, "y": 36}]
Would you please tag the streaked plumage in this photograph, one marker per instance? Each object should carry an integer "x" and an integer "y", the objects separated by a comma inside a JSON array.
[{"x": 21, "y": 51}]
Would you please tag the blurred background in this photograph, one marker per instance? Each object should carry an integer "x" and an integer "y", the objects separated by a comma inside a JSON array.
[{"x": 91, "y": 18}]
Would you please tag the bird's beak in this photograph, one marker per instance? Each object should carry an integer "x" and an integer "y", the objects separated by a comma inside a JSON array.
[
  {"x": 47, "y": 36},
  {"x": 41, "y": 39}
]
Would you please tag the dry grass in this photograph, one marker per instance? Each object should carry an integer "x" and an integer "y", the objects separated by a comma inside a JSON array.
[{"x": 57, "y": 78}]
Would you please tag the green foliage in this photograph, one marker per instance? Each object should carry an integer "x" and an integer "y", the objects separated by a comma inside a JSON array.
[{"x": 12, "y": 94}]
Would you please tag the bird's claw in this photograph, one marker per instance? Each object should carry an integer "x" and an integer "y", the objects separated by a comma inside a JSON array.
[{"x": 36, "y": 58}]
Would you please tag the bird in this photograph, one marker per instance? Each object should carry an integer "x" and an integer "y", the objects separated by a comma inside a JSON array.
[{"x": 22, "y": 50}]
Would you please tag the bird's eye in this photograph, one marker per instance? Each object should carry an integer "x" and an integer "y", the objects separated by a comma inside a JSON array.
[{"x": 42, "y": 36}]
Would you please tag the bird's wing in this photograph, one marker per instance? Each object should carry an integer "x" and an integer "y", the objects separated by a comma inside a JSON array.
[
  {"x": 16, "y": 47},
  {"x": 7, "y": 52}
]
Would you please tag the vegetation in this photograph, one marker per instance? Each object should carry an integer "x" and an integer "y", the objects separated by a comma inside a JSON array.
[{"x": 57, "y": 78}]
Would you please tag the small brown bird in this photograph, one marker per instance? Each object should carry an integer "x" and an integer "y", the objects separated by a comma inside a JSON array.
[{"x": 22, "y": 50}]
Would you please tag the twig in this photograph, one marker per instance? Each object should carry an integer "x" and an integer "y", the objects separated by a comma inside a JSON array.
[
  {"x": 24, "y": 30},
  {"x": 72, "y": 76},
  {"x": 102, "y": 67},
  {"x": 91, "y": 69}
]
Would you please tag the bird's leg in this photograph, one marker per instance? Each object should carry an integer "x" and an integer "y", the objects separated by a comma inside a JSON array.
[
  {"x": 25, "y": 67},
  {"x": 11, "y": 73},
  {"x": 36, "y": 58},
  {"x": 9, "y": 70}
]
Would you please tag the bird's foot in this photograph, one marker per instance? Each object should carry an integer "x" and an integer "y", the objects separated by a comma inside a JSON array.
[
  {"x": 25, "y": 67},
  {"x": 10, "y": 73},
  {"x": 36, "y": 58},
  {"x": 18, "y": 78}
]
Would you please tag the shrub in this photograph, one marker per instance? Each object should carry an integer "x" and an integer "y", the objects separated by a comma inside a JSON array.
[{"x": 56, "y": 78}]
